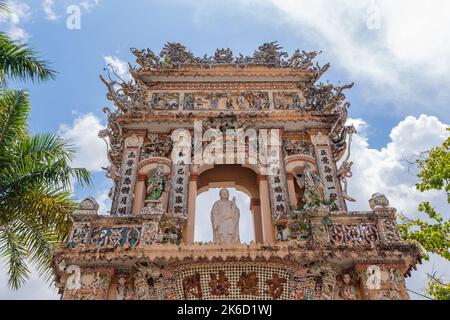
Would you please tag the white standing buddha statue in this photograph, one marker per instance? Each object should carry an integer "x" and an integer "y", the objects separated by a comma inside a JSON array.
[{"x": 225, "y": 220}]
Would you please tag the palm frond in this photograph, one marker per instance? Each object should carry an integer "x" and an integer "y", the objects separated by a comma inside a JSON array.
[
  {"x": 4, "y": 10},
  {"x": 20, "y": 62},
  {"x": 14, "y": 109},
  {"x": 13, "y": 250}
]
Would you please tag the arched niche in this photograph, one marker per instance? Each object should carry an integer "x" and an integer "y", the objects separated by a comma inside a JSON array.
[
  {"x": 228, "y": 176},
  {"x": 145, "y": 169},
  {"x": 243, "y": 179},
  {"x": 146, "y": 166},
  {"x": 295, "y": 166}
]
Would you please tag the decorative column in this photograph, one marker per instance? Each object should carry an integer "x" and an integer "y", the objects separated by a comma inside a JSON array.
[
  {"x": 128, "y": 174},
  {"x": 266, "y": 216},
  {"x": 190, "y": 225},
  {"x": 291, "y": 189},
  {"x": 139, "y": 194},
  {"x": 255, "y": 207},
  {"x": 327, "y": 169},
  {"x": 279, "y": 203},
  {"x": 178, "y": 202}
]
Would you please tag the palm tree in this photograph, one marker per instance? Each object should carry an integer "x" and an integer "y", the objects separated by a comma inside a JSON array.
[{"x": 35, "y": 172}]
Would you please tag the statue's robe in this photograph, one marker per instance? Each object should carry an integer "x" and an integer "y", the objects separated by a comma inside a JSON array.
[{"x": 225, "y": 221}]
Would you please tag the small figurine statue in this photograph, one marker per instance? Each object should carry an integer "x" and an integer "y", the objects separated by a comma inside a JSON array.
[
  {"x": 346, "y": 292},
  {"x": 123, "y": 291},
  {"x": 156, "y": 184},
  {"x": 312, "y": 185}
]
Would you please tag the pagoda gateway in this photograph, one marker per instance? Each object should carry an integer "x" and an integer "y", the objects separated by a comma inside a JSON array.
[{"x": 262, "y": 124}]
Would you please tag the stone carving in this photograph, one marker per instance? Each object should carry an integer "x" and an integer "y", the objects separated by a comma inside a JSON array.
[
  {"x": 278, "y": 192},
  {"x": 124, "y": 291},
  {"x": 327, "y": 171},
  {"x": 115, "y": 237},
  {"x": 373, "y": 277},
  {"x": 225, "y": 220},
  {"x": 88, "y": 206},
  {"x": 324, "y": 98},
  {"x": 157, "y": 146},
  {"x": 165, "y": 101},
  {"x": 378, "y": 200},
  {"x": 156, "y": 186},
  {"x": 223, "y": 56},
  {"x": 341, "y": 234},
  {"x": 79, "y": 234},
  {"x": 219, "y": 285},
  {"x": 128, "y": 170},
  {"x": 87, "y": 285},
  {"x": 345, "y": 172},
  {"x": 270, "y": 54},
  {"x": 179, "y": 189},
  {"x": 283, "y": 233},
  {"x": 133, "y": 141},
  {"x": 302, "y": 60},
  {"x": 248, "y": 283},
  {"x": 146, "y": 58},
  {"x": 347, "y": 288},
  {"x": 113, "y": 138},
  {"x": 287, "y": 100},
  {"x": 150, "y": 233},
  {"x": 74, "y": 279},
  {"x": 127, "y": 96},
  {"x": 176, "y": 54},
  {"x": 384, "y": 282},
  {"x": 171, "y": 231},
  {"x": 312, "y": 185},
  {"x": 276, "y": 286},
  {"x": 391, "y": 232},
  {"x": 257, "y": 100},
  {"x": 142, "y": 287},
  {"x": 192, "y": 286},
  {"x": 293, "y": 147}
]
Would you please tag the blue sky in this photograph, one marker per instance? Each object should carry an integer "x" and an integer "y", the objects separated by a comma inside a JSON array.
[{"x": 396, "y": 52}]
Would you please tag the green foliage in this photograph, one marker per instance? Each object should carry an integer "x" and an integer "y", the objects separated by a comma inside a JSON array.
[
  {"x": 18, "y": 61},
  {"x": 433, "y": 232},
  {"x": 437, "y": 288},
  {"x": 35, "y": 175},
  {"x": 35, "y": 190}
]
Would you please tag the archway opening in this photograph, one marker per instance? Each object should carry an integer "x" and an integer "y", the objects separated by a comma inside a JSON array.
[{"x": 204, "y": 203}]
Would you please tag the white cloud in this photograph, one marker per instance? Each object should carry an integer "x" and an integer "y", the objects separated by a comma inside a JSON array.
[
  {"x": 91, "y": 150},
  {"x": 48, "y": 7},
  {"x": 19, "y": 12},
  {"x": 403, "y": 60},
  {"x": 34, "y": 289},
  {"x": 120, "y": 67},
  {"x": 386, "y": 170},
  {"x": 104, "y": 202},
  {"x": 89, "y": 4}
]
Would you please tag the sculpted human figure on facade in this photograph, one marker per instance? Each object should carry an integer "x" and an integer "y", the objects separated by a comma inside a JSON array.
[
  {"x": 307, "y": 245},
  {"x": 156, "y": 184},
  {"x": 347, "y": 289},
  {"x": 312, "y": 185},
  {"x": 123, "y": 291},
  {"x": 225, "y": 220}
]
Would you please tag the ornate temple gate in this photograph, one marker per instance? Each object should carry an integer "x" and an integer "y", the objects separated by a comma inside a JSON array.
[{"x": 178, "y": 113}]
